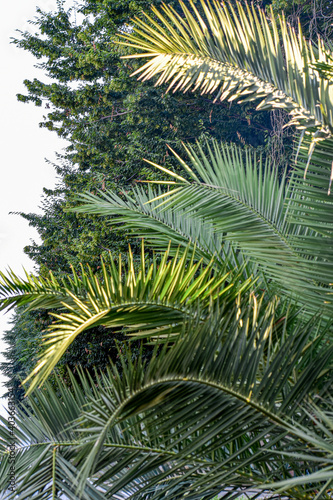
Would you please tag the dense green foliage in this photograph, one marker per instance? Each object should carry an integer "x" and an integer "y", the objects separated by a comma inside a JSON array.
[
  {"x": 237, "y": 393},
  {"x": 112, "y": 122}
]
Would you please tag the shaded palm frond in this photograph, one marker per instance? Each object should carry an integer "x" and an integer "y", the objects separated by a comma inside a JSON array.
[
  {"x": 238, "y": 55},
  {"x": 312, "y": 204},
  {"x": 210, "y": 414},
  {"x": 233, "y": 196},
  {"x": 159, "y": 229},
  {"x": 168, "y": 227},
  {"x": 246, "y": 201},
  {"x": 216, "y": 402},
  {"x": 45, "y": 445}
]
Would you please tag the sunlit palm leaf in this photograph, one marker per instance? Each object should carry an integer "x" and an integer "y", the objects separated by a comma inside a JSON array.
[{"x": 238, "y": 55}]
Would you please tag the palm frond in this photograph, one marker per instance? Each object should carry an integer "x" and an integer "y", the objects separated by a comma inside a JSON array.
[
  {"x": 248, "y": 204},
  {"x": 210, "y": 414},
  {"x": 45, "y": 445},
  {"x": 215, "y": 402},
  {"x": 239, "y": 55},
  {"x": 157, "y": 228},
  {"x": 235, "y": 197},
  {"x": 165, "y": 228},
  {"x": 152, "y": 302},
  {"x": 312, "y": 205},
  {"x": 319, "y": 451}
]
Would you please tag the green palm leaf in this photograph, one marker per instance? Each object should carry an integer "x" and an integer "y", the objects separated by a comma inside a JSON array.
[
  {"x": 45, "y": 446},
  {"x": 221, "y": 409},
  {"x": 238, "y": 55},
  {"x": 235, "y": 197},
  {"x": 153, "y": 301},
  {"x": 168, "y": 227},
  {"x": 312, "y": 205},
  {"x": 157, "y": 228}
]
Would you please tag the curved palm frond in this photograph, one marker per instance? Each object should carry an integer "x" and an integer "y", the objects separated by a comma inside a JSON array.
[
  {"x": 49, "y": 446},
  {"x": 170, "y": 227},
  {"x": 158, "y": 229},
  {"x": 221, "y": 410},
  {"x": 238, "y": 55},
  {"x": 216, "y": 402},
  {"x": 152, "y": 302},
  {"x": 236, "y": 198}
]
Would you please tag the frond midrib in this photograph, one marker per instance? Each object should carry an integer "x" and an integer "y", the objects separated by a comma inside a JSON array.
[
  {"x": 173, "y": 228},
  {"x": 188, "y": 379},
  {"x": 186, "y": 309},
  {"x": 273, "y": 227},
  {"x": 54, "y": 443}
]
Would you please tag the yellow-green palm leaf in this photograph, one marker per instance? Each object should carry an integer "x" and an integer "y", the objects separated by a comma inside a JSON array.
[{"x": 153, "y": 301}]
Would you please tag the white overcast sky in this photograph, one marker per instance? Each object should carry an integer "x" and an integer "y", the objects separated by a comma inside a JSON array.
[{"x": 24, "y": 146}]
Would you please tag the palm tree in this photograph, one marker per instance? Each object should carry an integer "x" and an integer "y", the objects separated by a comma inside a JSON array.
[
  {"x": 155, "y": 300},
  {"x": 230, "y": 391},
  {"x": 262, "y": 238},
  {"x": 234, "y": 208},
  {"x": 228, "y": 203}
]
